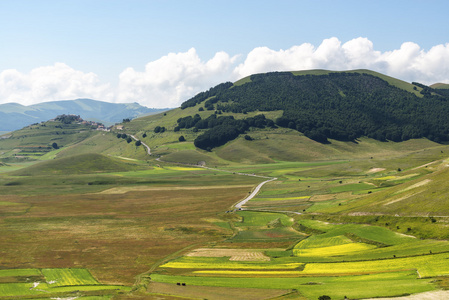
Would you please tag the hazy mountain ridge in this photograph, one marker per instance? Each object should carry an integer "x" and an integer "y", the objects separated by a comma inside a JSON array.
[{"x": 14, "y": 116}]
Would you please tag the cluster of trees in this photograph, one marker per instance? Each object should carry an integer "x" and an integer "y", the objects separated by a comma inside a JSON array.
[
  {"x": 342, "y": 106},
  {"x": 159, "y": 129},
  {"x": 207, "y": 94},
  {"x": 213, "y": 120},
  {"x": 128, "y": 138},
  {"x": 67, "y": 119},
  {"x": 125, "y": 137},
  {"x": 222, "y": 129}
]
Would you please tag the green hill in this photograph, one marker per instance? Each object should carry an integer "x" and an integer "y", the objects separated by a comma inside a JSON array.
[
  {"x": 306, "y": 106},
  {"x": 306, "y": 115},
  {"x": 440, "y": 86},
  {"x": 79, "y": 164},
  {"x": 322, "y": 105}
]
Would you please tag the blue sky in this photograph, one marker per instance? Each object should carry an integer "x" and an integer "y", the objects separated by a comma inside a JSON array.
[{"x": 160, "y": 53}]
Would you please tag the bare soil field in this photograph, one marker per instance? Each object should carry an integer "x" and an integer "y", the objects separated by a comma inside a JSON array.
[{"x": 234, "y": 254}]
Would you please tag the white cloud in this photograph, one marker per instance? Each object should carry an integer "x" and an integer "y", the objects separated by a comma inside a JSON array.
[
  {"x": 174, "y": 78},
  {"x": 409, "y": 62},
  {"x": 57, "y": 82}
]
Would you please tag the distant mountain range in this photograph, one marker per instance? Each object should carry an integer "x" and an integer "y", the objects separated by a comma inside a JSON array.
[{"x": 14, "y": 116}]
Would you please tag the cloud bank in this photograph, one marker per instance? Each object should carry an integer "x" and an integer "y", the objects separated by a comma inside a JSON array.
[
  {"x": 176, "y": 77},
  {"x": 57, "y": 82}
]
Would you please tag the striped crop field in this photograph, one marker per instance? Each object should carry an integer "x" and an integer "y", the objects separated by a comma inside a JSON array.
[
  {"x": 186, "y": 262},
  {"x": 250, "y": 218},
  {"x": 249, "y": 272},
  {"x": 52, "y": 282},
  {"x": 19, "y": 272},
  {"x": 386, "y": 178},
  {"x": 373, "y": 233},
  {"x": 425, "y": 265},
  {"x": 344, "y": 249},
  {"x": 184, "y": 168},
  {"x": 65, "y": 277},
  {"x": 318, "y": 242}
]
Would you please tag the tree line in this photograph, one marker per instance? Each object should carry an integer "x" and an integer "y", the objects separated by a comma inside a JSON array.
[{"x": 221, "y": 129}]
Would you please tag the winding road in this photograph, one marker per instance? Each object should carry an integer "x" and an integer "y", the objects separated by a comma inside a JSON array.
[
  {"x": 145, "y": 145},
  {"x": 239, "y": 204}
]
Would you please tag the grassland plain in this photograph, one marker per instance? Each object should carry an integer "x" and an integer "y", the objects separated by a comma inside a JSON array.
[
  {"x": 120, "y": 224},
  {"x": 72, "y": 225}
]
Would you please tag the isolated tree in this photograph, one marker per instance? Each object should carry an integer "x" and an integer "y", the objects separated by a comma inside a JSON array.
[
  {"x": 144, "y": 135},
  {"x": 55, "y": 146},
  {"x": 182, "y": 138},
  {"x": 324, "y": 297},
  {"x": 138, "y": 143},
  {"x": 129, "y": 140},
  {"x": 248, "y": 138}
]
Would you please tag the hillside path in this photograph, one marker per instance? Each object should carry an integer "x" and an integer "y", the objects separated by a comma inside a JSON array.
[{"x": 145, "y": 145}]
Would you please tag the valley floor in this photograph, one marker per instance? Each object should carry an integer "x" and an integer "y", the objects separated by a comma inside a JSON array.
[{"x": 354, "y": 228}]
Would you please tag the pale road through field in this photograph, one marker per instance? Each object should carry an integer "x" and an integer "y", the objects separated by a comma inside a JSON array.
[
  {"x": 241, "y": 203},
  {"x": 253, "y": 194}
]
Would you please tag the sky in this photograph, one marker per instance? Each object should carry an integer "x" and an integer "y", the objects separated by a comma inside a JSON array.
[{"x": 160, "y": 53}]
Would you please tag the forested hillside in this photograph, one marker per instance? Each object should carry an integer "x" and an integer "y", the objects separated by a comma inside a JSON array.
[{"x": 342, "y": 105}]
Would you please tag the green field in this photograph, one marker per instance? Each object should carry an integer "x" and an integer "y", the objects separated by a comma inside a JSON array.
[
  {"x": 54, "y": 282},
  {"x": 101, "y": 218},
  {"x": 391, "y": 284}
]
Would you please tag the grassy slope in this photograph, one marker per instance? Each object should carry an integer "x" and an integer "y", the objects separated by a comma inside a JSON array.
[
  {"x": 440, "y": 86},
  {"x": 79, "y": 164},
  {"x": 269, "y": 145}
]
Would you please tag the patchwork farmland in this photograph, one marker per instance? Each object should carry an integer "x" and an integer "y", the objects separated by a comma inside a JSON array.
[{"x": 343, "y": 222}]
